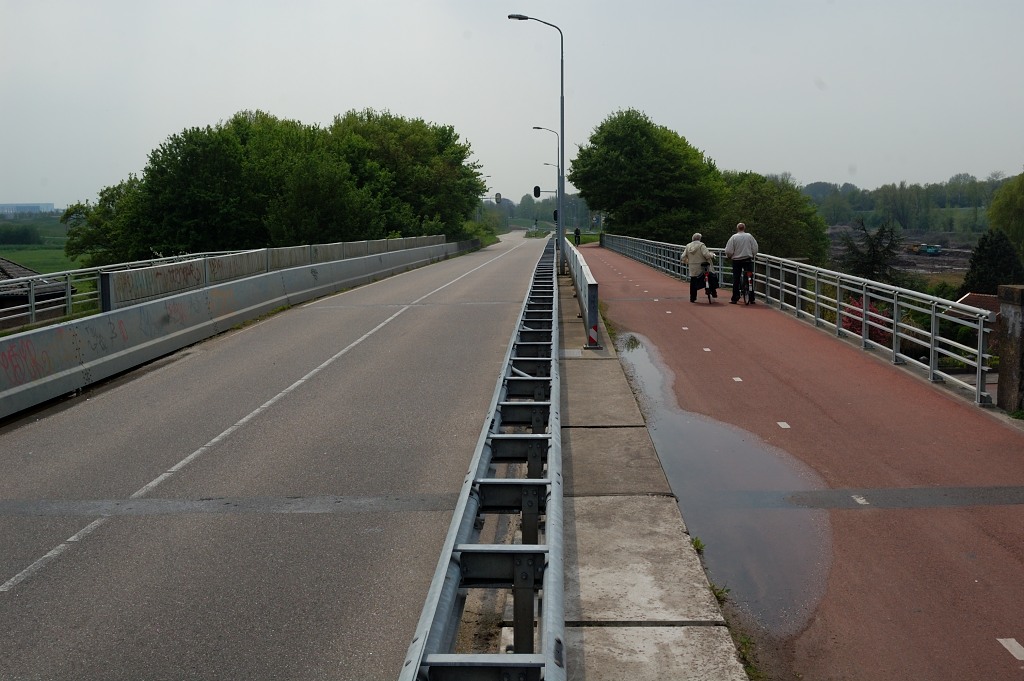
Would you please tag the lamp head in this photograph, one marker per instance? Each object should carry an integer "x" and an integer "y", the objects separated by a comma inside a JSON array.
[{"x": 518, "y": 17}]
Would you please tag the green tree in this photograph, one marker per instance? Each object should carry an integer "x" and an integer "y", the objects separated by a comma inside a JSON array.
[
  {"x": 782, "y": 219},
  {"x": 1007, "y": 210},
  {"x": 527, "y": 208},
  {"x": 419, "y": 173},
  {"x": 199, "y": 193},
  {"x": 870, "y": 254},
  {"x": 104, "y": 233},
  {"x": 649, "y": 180},
  {"x": 994, "y": 262},
  {"x": 256, "y": 181}
]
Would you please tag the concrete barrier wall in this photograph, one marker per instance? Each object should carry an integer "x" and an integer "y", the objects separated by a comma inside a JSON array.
[
  {"x": 122, "y": 288},
  {"x": 293, "y": 256},
  {"x": 328, "y": 252},
  {"x": 235, "y": 266},
  {"x": 355, "y": 249},
  {"x": 131, "y": 287},
  {"x": 39, "y": 365}
]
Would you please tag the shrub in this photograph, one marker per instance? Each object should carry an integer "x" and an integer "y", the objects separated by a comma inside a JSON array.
[{"x": 853, "y": 312}]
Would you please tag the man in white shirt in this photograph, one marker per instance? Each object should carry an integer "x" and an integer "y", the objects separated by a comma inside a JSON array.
[{"x": 741, "y": 250}]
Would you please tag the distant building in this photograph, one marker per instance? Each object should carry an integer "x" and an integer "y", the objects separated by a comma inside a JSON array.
[{"x": 15, "y": 208}]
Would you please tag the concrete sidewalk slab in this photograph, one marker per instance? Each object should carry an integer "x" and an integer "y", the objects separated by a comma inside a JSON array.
[
  {"x": 676, "y": 653},
  {"x": 597, "y": 394},
  {"x": 611, "y": 461},
  {"x": 631, "y": 561}
]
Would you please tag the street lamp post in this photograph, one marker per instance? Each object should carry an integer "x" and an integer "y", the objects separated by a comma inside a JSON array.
[
  {"x": 558, "y": 147},
  {"x": 561, "y": 137}
]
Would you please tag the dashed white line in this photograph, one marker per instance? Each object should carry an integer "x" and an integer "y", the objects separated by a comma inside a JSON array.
[
  {"x": 737, "y": 379},
  {"x": 1016, "y": 649},
  {"x": 860, "y": 500},
  {"x": 782, "y": 424},
  {"x": 707, "y": 349}
]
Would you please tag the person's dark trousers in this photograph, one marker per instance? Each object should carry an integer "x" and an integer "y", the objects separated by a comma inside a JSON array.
[
  {"x": 696, "y": 284},
  {"x": 738, "y": 268}
]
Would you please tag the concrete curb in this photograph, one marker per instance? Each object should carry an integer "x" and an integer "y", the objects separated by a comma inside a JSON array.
[{"x": 638, "y": 603}]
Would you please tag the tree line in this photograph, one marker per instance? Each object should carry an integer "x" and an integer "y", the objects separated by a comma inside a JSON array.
[
  {"x": 257, "y": 181},
  {"x": 650, "y": 182},
  {"x": 959, "y": 205}
]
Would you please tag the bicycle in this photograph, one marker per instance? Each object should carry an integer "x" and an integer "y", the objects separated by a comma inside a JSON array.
[
  {"x": 747, "y": 287},
  {"x": 708, "y": 288}
]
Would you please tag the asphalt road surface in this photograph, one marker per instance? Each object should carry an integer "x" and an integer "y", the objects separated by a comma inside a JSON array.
[
  {"x": 925, "y": 491},
  {"x": 269, "y": 504}
]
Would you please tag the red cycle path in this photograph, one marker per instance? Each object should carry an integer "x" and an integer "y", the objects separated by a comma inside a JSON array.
[{"x": 912, "y": 593}]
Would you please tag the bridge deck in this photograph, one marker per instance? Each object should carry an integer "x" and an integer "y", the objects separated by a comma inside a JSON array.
[{"x": 943, "y": 581}]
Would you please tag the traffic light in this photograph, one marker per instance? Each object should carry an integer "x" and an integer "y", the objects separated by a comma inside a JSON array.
[
  {"x": 536, "y": 191},
  {"x": 556, "y": 216}
]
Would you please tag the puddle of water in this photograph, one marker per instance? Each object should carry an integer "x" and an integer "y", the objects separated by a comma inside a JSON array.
[{"x": 772, "y": 555}]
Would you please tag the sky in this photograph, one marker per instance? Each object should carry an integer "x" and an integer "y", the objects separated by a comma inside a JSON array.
[{"x": 869, "y": 92}]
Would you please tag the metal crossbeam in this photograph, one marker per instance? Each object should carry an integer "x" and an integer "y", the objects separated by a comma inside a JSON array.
[{"x": 487, "y": 667}]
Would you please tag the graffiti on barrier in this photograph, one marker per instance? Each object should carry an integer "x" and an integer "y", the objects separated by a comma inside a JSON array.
[{"x": 20, "y": 362}]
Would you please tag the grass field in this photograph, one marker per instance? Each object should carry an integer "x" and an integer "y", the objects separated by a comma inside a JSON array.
[
  {"x": 46, "y": 257},
  {"x": 42, "y": 259}
]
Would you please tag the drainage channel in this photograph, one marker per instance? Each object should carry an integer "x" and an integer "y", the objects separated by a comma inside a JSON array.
[{"x": 522, "y": 434}]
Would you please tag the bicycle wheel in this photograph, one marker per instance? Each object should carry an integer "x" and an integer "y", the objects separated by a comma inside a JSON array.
[{"x": 707, "y": 286}]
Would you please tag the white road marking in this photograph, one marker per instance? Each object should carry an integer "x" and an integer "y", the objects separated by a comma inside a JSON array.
[
  {"x": 686, "y": 328},
  {"x": 707, "y": 349},
  {"x": 860, "y": 500},
  {"x": 1016, "y": 649},
  {"x": 149, "y": 487},
  {"x": 782, "y": 424},
  {"x": 737, "y": 379}
]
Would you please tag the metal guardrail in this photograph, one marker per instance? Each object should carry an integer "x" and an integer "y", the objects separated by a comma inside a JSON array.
[
  {"x": 63, "y": 357},
  {"x": 62, "y": 295},
  {"x": 946, "y": 339},
  {"x": 523, "y": 428},
  {"x": 586, "y": 293},
  {"x": 76, "y": 293}
]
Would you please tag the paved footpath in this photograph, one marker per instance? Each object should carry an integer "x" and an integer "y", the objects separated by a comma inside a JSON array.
[
  {"x": 638, "y": 604},
  {"x": 924, "y": 570}
]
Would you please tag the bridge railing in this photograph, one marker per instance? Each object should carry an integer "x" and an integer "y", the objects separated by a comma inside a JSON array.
[
  {"x": 48, "y": 298},
  {"x": 946, "y": 339},
  {"x": 39, "y": 364}
]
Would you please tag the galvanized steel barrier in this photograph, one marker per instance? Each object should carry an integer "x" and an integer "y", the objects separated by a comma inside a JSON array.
[
  {"x": 586, "y": 293},
  {"x": 946, "y": 339},
  {"x": 524, "y": 429},
  {"x": 914, "y": 328}
]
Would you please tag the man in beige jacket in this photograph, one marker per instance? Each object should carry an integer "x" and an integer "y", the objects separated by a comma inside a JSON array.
[{"x": 694, "y": 255}]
